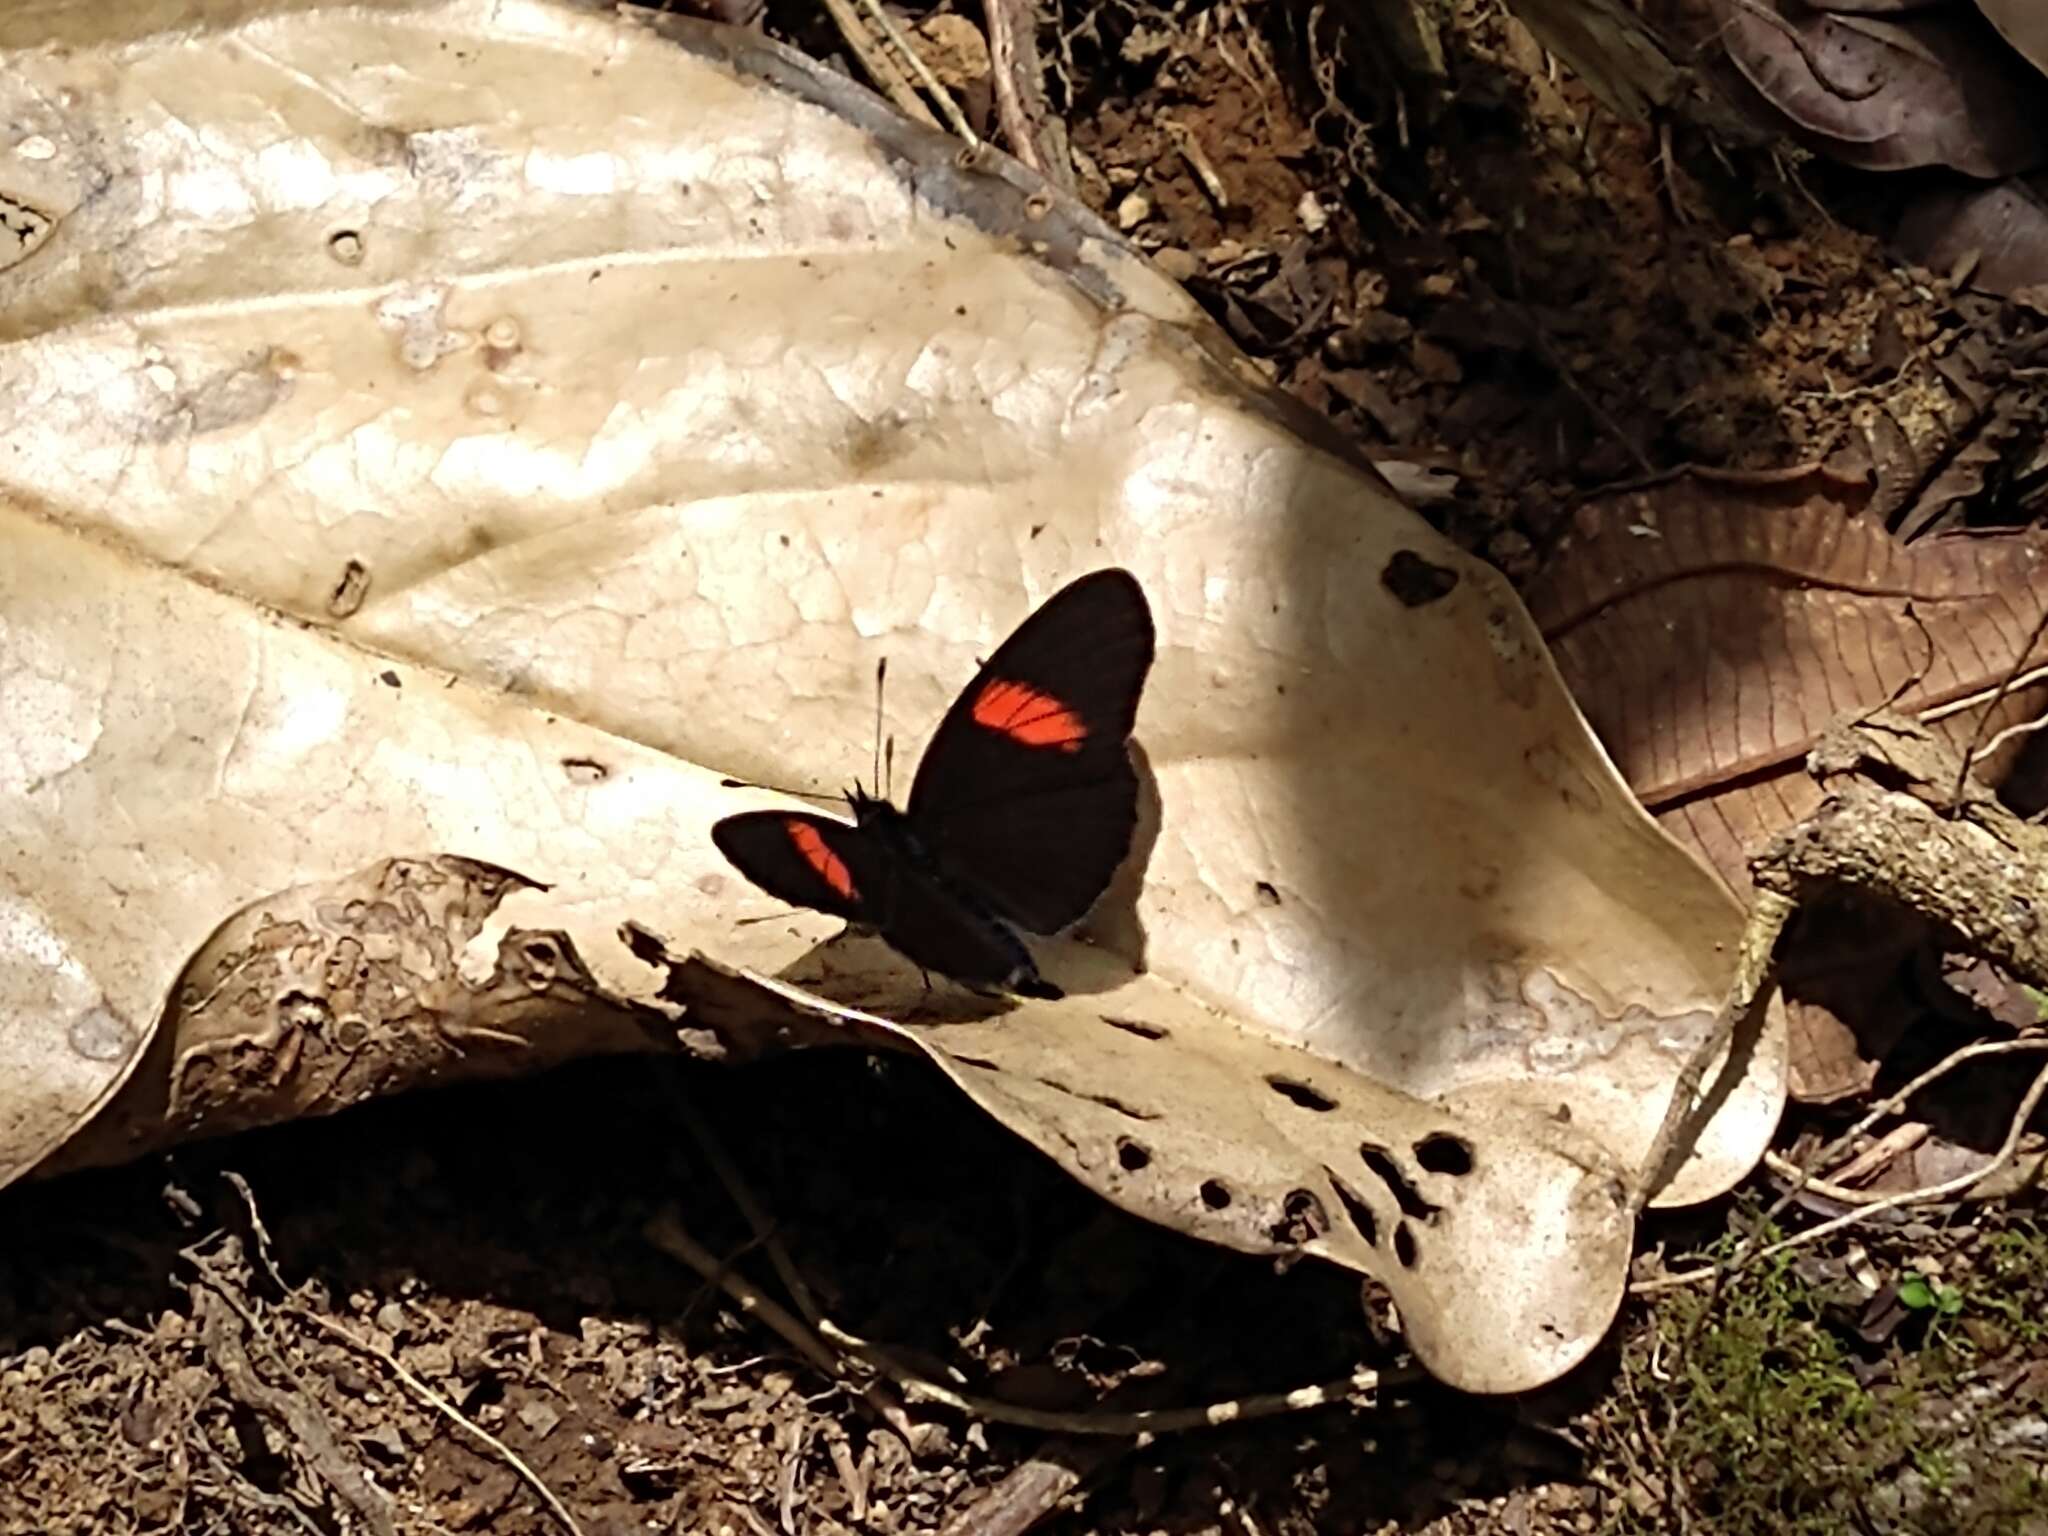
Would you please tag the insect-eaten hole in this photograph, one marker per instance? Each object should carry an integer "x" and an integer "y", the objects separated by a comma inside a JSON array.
[
  {"x": 1361, "y": 1215},
  {"x": 1132, "y": 1155},
  {"x": 1416, "y": 582},
  {"x": 1215, "y": 1194},
  {"x": 1389, "y": 1173},
  {"x": 1300, "y": 1093},
  {"x": 1404, "y": 1246},
  {"x": 1133, "y": 1027},
  {"x": 1441, "y": 1152},
  {"x": 1302, "y": 1218}
]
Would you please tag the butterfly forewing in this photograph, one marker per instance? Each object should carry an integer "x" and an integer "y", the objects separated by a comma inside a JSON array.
[{"x": 1027, "y": 791}]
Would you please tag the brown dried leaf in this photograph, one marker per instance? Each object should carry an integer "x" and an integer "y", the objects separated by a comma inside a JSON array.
[
  {"x": 1998, "y": 234},
  {"x": 1930, "y": 88},
  {"x": 1712, "y": 630}
]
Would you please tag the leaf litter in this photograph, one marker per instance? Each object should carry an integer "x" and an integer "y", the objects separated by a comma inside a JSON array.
[{"x": 1332, "y": 1476}]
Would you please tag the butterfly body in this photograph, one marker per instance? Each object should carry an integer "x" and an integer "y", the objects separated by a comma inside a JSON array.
[{"x": 1023, "y": 807}]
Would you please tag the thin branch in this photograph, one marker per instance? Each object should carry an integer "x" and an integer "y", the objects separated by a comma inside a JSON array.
[
  {"x": 450, "y": 1412},
  {"x": 880, "y": 67},
  {"x": 1929, "y": 1194},
  {"x": 948, "y": 107},
  {"x": 877, "y": 1394},
  {"x": 665, "y": 1231},
  {"x": 1984, "y": 720},
  {"x": 1742, "y": 1013}
]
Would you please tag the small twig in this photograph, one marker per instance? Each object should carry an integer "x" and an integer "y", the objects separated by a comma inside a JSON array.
[
  {"x": 665, "y": 1231},
  {"x": 1034, "y": 1489},
  {"x": 948, "y": 107},
  {"x": 2004, "y": 688},
  {"x": 1926, "y": 1195},
  {"x": 852, "y": 1477},
  {"x": 1840, "y": 1186},
  {"x": 454, "y": 1415},
  {"x": 236, "y": 1484},
  {"x": 1191, "y": 150},
  {"x": 261, "y": 1233},
  {"x": 880, "y": 67},
  {"x": 218, "y": 1308},
  {"x": 877, "y": 1394},
  {"x": 1741, "y": 1015},
  {"x": 756, "y": 1214},
  {"x": 1004, "y": 63},
  {"x": 1895, "y": 1142}
]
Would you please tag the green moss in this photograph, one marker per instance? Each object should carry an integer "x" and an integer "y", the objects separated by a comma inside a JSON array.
[{"x": 1751, "y": 1414}]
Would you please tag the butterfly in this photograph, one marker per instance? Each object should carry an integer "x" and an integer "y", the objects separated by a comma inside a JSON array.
[{"x": 1022, "y": 808}]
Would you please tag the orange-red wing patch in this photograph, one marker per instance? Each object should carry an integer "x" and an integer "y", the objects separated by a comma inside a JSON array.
[
  {"x": 1028, "y": 717},
  {"x": 816, "y": 852}
]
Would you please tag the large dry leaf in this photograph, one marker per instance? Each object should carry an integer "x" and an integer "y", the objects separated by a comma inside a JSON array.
[
  {"x": 2022, "y": 23},
  {"x": 1925, "y": 88},
  {"x": 446, "y": 438},
  {"x": 1998, "y": 234},
  {"x": 1713, "y": 630}
]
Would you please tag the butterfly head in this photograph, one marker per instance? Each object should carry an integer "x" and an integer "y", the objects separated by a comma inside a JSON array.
[{"x": 865, "y": 807}]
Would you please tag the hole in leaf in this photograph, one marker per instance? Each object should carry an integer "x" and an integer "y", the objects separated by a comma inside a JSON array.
[
  {"x": 1404, "y": 1246},
  {"x": 1443, "y": 1153},
  {"x": 1360, "y": 1213},
  {"x": 1133, "y": 1027},
  {"x": 1300, "y": 1093},
  {"x": 1131, "y": 1155},
  {"x": 1214, "y": 1195},
  {"x": 1389, "y": 1173},
  {"x": 1302, "y": 1218}
]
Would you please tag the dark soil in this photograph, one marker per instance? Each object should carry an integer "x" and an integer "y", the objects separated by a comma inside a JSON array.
[{"x": 1498, "y": 285}]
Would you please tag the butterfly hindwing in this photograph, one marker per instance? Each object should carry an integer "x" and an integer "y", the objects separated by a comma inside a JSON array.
[
  {"x": 809, "y": 861},
  {"x": 1027, "y": 790}
]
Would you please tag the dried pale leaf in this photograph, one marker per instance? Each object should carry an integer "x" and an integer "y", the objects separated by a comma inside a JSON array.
[
  {"x": 2022, "y": 23},
  {"x": 1930, "y": 88},
  {"x": 472, "y": 460}
]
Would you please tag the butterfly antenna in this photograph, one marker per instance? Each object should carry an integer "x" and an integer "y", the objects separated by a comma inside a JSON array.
[
  {"x": 888, "y": 766},
  {"x": 881, "y": 673}
]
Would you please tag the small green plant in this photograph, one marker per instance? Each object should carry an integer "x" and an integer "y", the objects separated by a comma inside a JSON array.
[{"x": 1937, "y": 1299}]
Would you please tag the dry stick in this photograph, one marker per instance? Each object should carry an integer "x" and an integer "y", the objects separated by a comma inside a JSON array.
[
  {"x": 263, "y": 1254},
  {"x": 877, "y": 1393},
  {"x": 1032, "y": 1490},
  {"x": 880, "y": 67},
  {"x": 217, "y": 1308},
  {"x": 878, "y": 1396},
  {"x": 2004, "y": 688},
  {"x": 665, "y": 1231},
  {"x": 948, "y": 107},
  {"x": 1926, "y": 1195},
  {"x": 1003, "y": 66},
  {"x": 454, "y": 1415},
  {"x": 1741, "y": 1017}
]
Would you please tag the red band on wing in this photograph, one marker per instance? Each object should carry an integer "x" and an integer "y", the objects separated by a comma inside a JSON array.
[
  {"x": 1028, "y": 717},
  {"x": 813, "y": 849}
]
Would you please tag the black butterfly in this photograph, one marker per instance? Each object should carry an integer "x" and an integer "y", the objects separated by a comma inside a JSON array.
[{"x": 1021, "y": 811}]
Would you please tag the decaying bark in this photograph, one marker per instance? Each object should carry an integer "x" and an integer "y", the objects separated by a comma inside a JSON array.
[{"x": 1901, "y": 822}]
